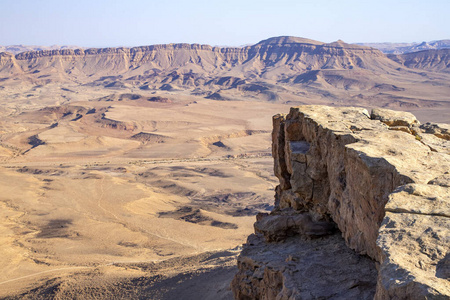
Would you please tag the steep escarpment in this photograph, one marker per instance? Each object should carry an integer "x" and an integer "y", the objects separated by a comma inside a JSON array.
[
  {"x": 270, "y": 51},
  {"x": 362, "y": 209},
  {"x": 292, "y": 54}
]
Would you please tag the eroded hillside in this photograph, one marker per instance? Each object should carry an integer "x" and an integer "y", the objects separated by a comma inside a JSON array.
[{"x": 283, "y": 69}]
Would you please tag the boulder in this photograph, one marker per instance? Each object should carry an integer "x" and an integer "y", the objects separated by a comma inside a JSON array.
[{"x": 393, "y": 118}]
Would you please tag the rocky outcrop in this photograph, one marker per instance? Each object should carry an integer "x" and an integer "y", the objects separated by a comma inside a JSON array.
[
  {"x": 114, "y": 124},
  {"x": 303, "y": 269},
  {"x": 366, "y": 186}
]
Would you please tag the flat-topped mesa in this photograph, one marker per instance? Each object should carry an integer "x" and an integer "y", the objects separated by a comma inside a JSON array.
[
  {"x": 299, "y": 54},
  {"x": 276, "y": 42},
  {"x": 119, "y": 50},
  {"x": 382, "y": 179}
]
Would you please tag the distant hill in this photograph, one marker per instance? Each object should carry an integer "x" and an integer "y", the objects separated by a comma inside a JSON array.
[
  {"x": 15, "y": 49},
  {"x": 429, "y": 60},
  {"x": 399, "y": 48}
]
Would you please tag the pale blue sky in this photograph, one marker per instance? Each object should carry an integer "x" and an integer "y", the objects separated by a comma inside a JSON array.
[{"x": 102, "y": 23}]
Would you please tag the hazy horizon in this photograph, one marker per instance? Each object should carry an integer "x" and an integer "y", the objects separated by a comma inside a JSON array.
[
  {"x": 237, "y": 46},
  {"x": 234, "y": 23}
]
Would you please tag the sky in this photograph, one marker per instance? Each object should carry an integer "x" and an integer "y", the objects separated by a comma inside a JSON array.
[{"x": 112, "y": 23}]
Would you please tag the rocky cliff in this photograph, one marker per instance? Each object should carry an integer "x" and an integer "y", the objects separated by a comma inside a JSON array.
[{"x": 362, "y": 209}]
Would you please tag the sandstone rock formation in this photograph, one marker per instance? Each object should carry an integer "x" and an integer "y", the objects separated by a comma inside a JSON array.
[{"x": 376, "y": 179}]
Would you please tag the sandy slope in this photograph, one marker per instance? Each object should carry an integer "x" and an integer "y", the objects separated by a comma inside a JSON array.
[
  {"x": 59, "y": 221},
  {"x": 87, "y": 199}
]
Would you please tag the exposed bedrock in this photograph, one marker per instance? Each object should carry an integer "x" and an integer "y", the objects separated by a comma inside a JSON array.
[{"x": 374, "y": 188}]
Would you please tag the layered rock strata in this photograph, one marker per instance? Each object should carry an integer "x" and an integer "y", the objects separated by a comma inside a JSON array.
[
  {"x": 362, "y": 190},
  {"x": 193, "y": 61}
]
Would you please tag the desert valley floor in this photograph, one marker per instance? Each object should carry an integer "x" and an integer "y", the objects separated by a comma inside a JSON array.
[{"x": 86, "y": 197}]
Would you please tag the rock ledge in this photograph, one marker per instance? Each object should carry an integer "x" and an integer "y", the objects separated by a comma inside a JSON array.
[{"x": 361, "y": 212}]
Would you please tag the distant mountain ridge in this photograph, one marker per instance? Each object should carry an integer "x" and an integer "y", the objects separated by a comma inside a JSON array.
[
  {"x": 430, "y": 60},
  {"x": 276, "y": 69},
  {"x": 15, "y": 49},
  {"x": 297, "y": 54},
  {"x": 388, "y": 48},
  {"x": 278, "y": 60},
  {"x": 400, "y": 48}
]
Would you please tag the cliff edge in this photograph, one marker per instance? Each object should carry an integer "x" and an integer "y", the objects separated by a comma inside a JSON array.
[{"x": 361, "y": 212}]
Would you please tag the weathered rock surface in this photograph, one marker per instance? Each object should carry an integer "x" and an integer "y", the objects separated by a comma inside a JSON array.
[
  {"x": 278, "y": 226},
  {"x": 301, "y": 269},
  {"x": 440, "y": 130},
  {"x": 381, "y": 178}
]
